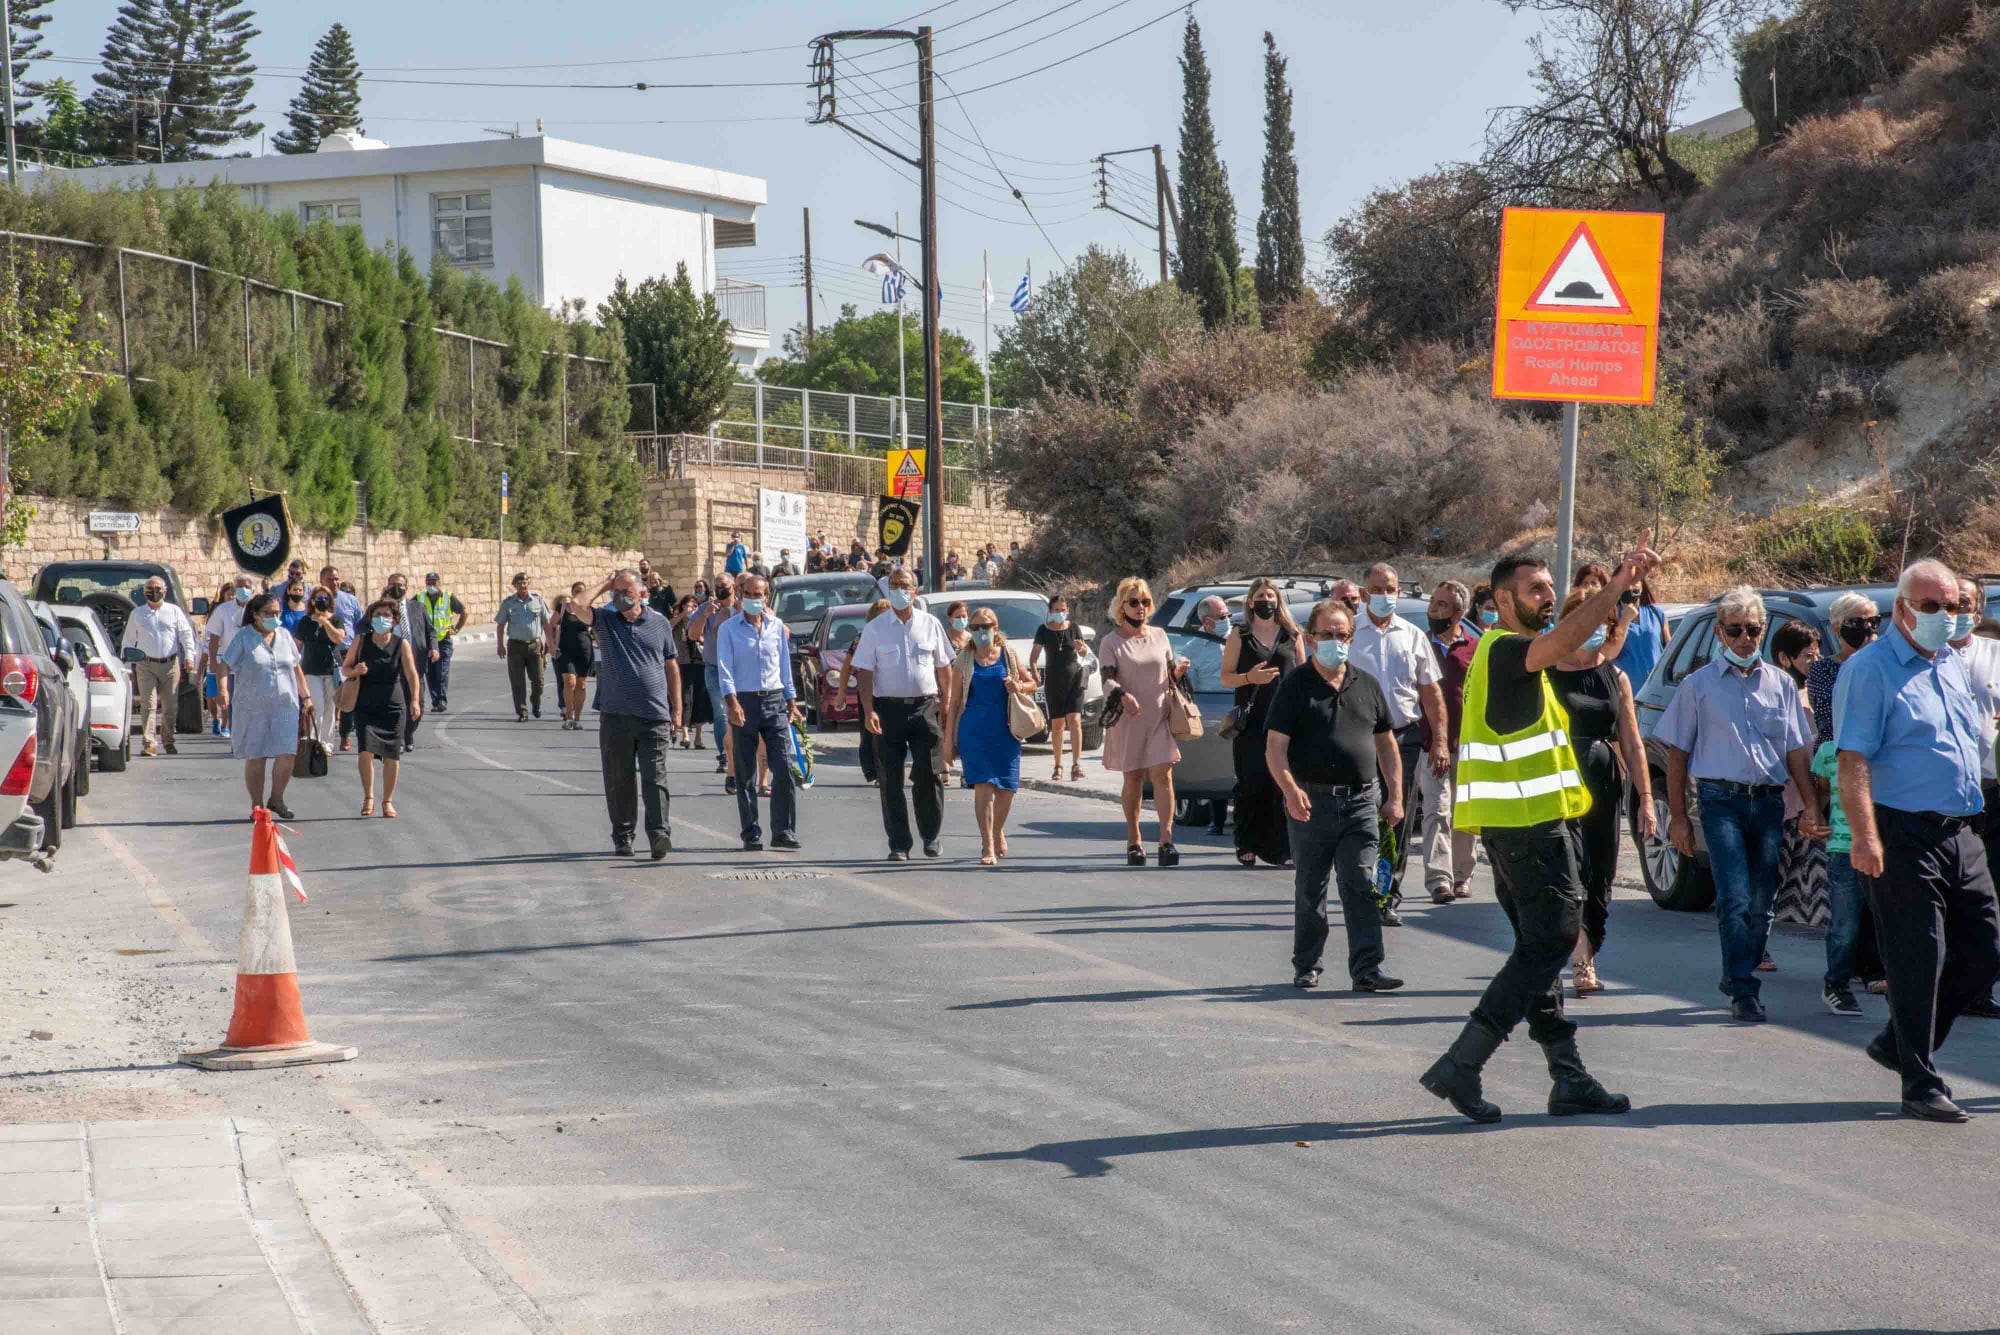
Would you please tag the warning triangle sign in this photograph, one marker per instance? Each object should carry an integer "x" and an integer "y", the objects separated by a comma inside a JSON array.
[
  {"x": 1580, "y": 280},
  {"x": 909, "y": 468}
]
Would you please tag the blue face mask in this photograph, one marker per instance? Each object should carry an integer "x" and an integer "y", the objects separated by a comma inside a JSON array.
[
  {"x": 269, "y": 623},
  {"x": 982, "y": 638},
  {"x": 753, "y": 607},
  {"x": 382, "y": 625},
  {"x": 1381, "y": 604},
  {"x": 1963, "y": 625},
  {"x": 1489, "y": 617},
  {"x": 1932, "y": 629},
  {"x": 242, "y": 594},
  {"x": 958, "y": 623},
  {"x": 1595, "y": 642},
  {"x": 900, "y": 598},
  {"x": 1057, "y": 620},
  {"x": 1744, "y": 661},
  {"x": 1330, "y": 653}
]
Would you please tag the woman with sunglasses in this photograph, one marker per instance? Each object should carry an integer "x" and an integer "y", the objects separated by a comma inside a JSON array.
[
  {"x": 1139, "y": 668},
  {"x": 982, "y": 679},
  {"x": 1604, "y": 730},
  {"x": 1255, "y": 657},
  {"x": 1850, "y": 927}
]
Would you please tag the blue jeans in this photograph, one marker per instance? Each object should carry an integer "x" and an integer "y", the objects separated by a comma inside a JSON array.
[
  {"x": 1844, "y": 902},
  {"x": 719, "y": 711},
  {"x": 766, "y": 718},
  {"x": 1744, "y": 836}
]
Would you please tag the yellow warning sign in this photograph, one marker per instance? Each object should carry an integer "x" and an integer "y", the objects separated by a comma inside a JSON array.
[{"x": 906, "y": 473}]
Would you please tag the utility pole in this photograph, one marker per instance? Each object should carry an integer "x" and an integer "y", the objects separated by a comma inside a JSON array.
[
  {"x": 1160, "y": 204},
  {"x": 986, "y": 334},
  {"x": 902, "y": 384},
  {"x": 809, "y": 274},
  {"x": 7, "y": 39},
  {"x": 1158, "y": 222}
]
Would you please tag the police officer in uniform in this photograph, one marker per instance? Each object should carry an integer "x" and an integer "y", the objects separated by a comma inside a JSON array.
[{"x": 1519, "y": 788}]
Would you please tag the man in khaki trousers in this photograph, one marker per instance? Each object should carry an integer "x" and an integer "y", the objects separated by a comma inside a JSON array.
[{"x": 159, "y": 643}]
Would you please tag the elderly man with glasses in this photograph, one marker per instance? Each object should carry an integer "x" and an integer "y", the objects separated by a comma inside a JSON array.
[{"x": 1738, "y": 726}]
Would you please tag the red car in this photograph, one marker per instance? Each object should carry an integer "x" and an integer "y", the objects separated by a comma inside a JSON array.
[{"x": 823, "y": 660}]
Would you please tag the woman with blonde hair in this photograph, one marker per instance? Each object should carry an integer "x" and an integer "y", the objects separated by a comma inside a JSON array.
[
  {"x": 1139, "y": 669},
  {"x": 1255, "y": 657},
  {"x": 983, "y": 678}
]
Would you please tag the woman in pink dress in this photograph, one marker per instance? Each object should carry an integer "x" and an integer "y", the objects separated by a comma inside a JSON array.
[{"x": 1139, "y": 661}]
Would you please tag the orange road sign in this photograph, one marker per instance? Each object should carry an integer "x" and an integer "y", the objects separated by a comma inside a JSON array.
[{"x": 1577, "y": 314}]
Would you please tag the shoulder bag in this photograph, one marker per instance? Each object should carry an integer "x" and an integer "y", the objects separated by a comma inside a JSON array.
[
  {"x": 1025, "y": 718},
  {"x": 311, "y": 761}
]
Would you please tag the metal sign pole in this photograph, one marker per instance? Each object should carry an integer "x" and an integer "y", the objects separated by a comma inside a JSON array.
[{"x": 1566, "y": 508}]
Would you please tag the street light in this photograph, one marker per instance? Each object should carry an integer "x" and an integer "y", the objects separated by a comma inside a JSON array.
[{"x": 889, "y": 232}]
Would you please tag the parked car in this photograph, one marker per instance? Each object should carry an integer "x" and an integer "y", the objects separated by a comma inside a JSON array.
[
  {"x": 32, "y": 791},
  {"x": 1673, "y": 881},
  {"x": 110, "y": 683},
  {"x": 800, "y": 601},
  {"x": 823, "y": 658},
  {"x": 1021, "y": 613},
  {"x": 76, "y": 690},
  {"x": 111, "y": 589},
  {"x": 1207, "y": 771}
]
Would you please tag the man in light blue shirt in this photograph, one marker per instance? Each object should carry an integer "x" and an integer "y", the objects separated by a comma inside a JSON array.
[
  {"x": 735, "y": 557},
  {"x": 1910, "y": 742},
  {"x": 1739, "y": 726},
  {"x": 753, "y": 663}
]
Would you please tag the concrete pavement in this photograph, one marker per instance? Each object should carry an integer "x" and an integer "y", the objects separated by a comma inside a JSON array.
[{"x": 821, "y": 1091}]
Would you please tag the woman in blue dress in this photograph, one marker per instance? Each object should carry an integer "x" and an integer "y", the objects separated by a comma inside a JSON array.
[
  {"x": 978, "y": 733},
  {"x": 265, "y": 687}
]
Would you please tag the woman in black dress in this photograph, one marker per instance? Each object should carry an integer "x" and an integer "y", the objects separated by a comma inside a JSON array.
[
  {"x": 388, "y": 694},
  {"x": 1602, "y": 727},
  {"x": 575, "y": 644},
  {"x": 1255, "y": 658},
  {"x": 1062, "y": 640}
]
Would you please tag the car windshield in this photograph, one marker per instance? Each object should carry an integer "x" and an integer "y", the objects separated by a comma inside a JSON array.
[
  {"x": 1204, "y": 656},
  {"x": 843, "y": 631},
  {"x": 1018, "y": 621},
  {"x": 129, "y": 580},
  {"x": 808, "y": 601}
]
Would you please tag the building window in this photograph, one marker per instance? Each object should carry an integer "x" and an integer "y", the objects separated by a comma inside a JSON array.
[
  {"x": 462, "y": 227},
  {"x": 331, "y": 210}
]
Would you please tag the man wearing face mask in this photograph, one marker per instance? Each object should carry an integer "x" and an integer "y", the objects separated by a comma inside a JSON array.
[
  {"x": 638, "y": 705},
  {"x": 1740, "y": 728},
  {"x": 163, "y": 634},
  {"x": 753, "y": 658},
  {"x": 1448, "y": 855},
  {"x": 902, "y": 664},
  {"x": 223, "y": 623},
  {"x": 1981, "y": 657},
  {"x": 1213, "y": 614},
  {"x": 1401, "y": 660},
  {"x": 1327, "y": 735},
  {"x": 1519, "y": 789},
  {"x": 1909, "y": 736}
]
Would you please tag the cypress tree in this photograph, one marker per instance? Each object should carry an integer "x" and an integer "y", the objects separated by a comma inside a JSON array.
[
  {"x": 1281, "y": 247},
  {"x": 1209, "y": 253},
  {"x": 330, "y": 98},
  {"x": 185, "y": 66}
]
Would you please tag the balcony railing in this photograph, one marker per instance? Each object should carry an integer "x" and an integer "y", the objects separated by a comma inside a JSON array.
[{"x": 742, "y": 304}]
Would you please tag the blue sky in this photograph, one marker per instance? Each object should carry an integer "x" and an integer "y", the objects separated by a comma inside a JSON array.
[{"x": 1383, "y": 92}]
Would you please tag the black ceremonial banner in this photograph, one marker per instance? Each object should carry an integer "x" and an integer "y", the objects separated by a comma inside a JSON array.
[
  {"x": 260, "y": 535},
  {"x": 898, "y": 524}
]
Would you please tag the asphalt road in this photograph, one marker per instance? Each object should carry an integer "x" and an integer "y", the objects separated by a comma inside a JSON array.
[{"x": 821, "y": 1091}]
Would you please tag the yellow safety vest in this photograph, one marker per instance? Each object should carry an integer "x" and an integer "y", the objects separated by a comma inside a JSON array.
[
  {"x": 1511, "y": 780},
  {"x": 441, "y": 615}
]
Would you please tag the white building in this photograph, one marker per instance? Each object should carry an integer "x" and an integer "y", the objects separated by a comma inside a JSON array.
[{"x": 566, "y": 219}]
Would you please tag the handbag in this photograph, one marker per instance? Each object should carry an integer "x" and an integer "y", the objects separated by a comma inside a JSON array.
[
  {"x": 345, "y": 697},
  {"x": 1232, "y": 723},
  {"x": 1183, "y": 715},
  {"x": 311, "y": 761},
  {"x": 1025, "y": 717}
]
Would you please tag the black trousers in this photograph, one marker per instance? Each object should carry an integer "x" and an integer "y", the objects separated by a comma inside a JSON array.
[
  {"x": 1262, "y": 826},
  {"x": 524, "y": 673},
  {"x": 1939, "y": 930},
  {"x": 1337, "y": 843},
  {"x": 1597, "y": 832},
  {"x": 912, "y": 733},
  {"x": 1410, "y": 746},
  {"x": 633, "y": 753},
  {"x": 1536, "y": 880}
]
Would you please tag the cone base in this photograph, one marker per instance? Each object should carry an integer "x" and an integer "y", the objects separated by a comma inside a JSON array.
[{"x": 263, "y": 1059}]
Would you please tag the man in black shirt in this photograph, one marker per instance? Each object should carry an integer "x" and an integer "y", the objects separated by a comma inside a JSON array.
[{"x": 1328, "y": 733}]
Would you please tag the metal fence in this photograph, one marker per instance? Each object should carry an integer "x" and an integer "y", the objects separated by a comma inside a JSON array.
[
  {"x": 780, "y": 415},
  {"x": 837, "y": 473},
  {"x": 742, "y": 304}
]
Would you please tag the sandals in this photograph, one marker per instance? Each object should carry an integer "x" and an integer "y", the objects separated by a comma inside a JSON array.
[
  {"x": 388, "y": 809},
  {"x": 1057, "y": 776},
  {"x": 1075, "y": 773},
  {"x": 1169, "y": 856},
  {"x": 368, "y": 807},
  {"x": 1583, "y": 977},
  {"x": 1135, "y": 856},
  {"x": 1246, "y": 860}
]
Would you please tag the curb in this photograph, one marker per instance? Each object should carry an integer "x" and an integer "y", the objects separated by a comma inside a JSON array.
[{"x": 1070, "y": 788}]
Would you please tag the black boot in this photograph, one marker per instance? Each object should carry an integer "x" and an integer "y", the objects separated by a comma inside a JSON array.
[
  {"x": 1576, "y": 1091},
  {"x": 1454, "y": 1077}
]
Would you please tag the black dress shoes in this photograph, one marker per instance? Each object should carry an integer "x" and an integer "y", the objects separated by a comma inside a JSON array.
[
  {"x": 1934, "y": 1107},
  {"x": 1307, "y": 981},
  {"x": 1376, "y": 981},
  {"x": 1748, "y": 1010}
]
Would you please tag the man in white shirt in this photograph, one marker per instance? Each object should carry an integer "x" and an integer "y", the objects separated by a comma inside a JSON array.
[
  {"x": 223, "y": 623},
  {"x": 1399, "y": 657},
  {"x": 1982, "y": 667},
  {"x": 902, "y": 664},
  {"x": 163, "y": 633}
]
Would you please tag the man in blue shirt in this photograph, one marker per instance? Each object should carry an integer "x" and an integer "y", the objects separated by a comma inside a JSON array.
[
  {"x": 735, "y": 557},
  {"x": 753, "y": 664},
  {"x": 1909, "y": 740},
  {"x": 1740, "y": 728},
  {"x": 638, "y": 702}
]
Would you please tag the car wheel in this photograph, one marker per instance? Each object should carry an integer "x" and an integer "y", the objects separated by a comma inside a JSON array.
[
  {"x": 66, "y": 801},
  {"x": 1192, "y": 811},
  {"x": 112, "y": 760},
  {"x": 82, "y": 778},
  {"x": 1093, "y": 736},
  {"x": 1679, "y": 883},
  {"x": 50, "y": 811}
]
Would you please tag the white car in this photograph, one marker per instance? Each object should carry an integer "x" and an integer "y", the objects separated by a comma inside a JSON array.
[
  {"x": 1021, "y": 613},
  {"x": 110, "y": 684}
]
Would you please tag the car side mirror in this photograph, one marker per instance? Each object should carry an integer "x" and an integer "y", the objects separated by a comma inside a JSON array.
[
  {"x": 200, "y": 606},
  {"x": 84, "y": 655},
  {"x": 1089, "y": 634},
  {"x": 65, "y": 661}
]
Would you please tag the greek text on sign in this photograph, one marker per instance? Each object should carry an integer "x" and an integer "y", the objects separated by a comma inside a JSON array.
[
  {"x": 111, "y": 521},
  {"x": 1578, "y": 306},
  {"x": 781, "y": 523}
]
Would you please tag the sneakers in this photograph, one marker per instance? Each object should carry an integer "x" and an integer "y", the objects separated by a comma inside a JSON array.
[
  {"x": 149, "y": 750},
  {"x": 1747, "y": 1010},
  {"x": 1767, "y": 964},
  {"x": 215, "y": 727},
  {"x": 223, "y": 733},
  {"x": 1841, "y": 1001}
]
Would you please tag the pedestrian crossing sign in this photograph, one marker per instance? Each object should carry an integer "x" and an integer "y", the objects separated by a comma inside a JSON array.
[
  {"x": 906, "y": 473},
  {"x": 1577, "y": 310}
]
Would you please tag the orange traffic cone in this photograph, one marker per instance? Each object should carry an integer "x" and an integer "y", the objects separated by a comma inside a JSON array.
[{"x": 269, "y": 1025}]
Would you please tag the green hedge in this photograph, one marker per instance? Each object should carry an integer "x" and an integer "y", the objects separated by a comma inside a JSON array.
[{"x": 367, "y": 392}]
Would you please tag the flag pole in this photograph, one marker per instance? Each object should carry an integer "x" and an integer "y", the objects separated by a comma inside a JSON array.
[
  {"x": 902, "y": 384},
  {"x": 986, "y": 331}
]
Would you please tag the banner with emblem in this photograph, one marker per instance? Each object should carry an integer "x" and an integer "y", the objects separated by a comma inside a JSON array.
[
  {"x": 898, "y": 524},
  {"x": 260, "y": 535}
]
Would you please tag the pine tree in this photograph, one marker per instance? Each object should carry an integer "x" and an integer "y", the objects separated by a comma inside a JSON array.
[
  {"x": 181, "y": 70},
  {"x": 1281, "y": 247},
  {"x": 1209, "y": 253},
  {"x": 676, "y": 339},
  {"x": 29, "y": 18},
  {"x": 330, "y": 98}
]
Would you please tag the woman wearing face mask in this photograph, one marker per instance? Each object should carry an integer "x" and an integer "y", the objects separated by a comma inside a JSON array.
[
  {"x": 263, "y": 690},
  {"x": 1802, "y": 862},
  {"x": 388, "y": 672},
  {"x": 575, "y": 645},
  {"x": 322, "y": 638},
  {"x": 1851, "y": 951},
  {"x": 1589, "y": 579},
  {"x": 294, "y": 610},
  {"x": 1139, "y": 662},
  {"x": 1062, "y": 640},
  {"x": 1485, "y": 612},
  {"x": 684, "y": 658},
  {"x": 982, "y": 679},
  {"x": 1603, "y": 729},
  {"x": 957, "y": 627},
  {"x": 1255, "y": 657},
  {"x": 224, "y": 616}
]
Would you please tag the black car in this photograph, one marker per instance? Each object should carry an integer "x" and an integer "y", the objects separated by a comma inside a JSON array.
[{"x": 34, "y": 692}]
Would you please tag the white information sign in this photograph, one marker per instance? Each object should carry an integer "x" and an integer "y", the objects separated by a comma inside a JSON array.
[
  {"x": 111, "y": 521},
  {"x": 781, "y": 525}
]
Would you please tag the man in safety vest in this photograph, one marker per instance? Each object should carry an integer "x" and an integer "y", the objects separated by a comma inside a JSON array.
[
  {"x": 1520, "y": 790},
  {"x": 447, "y": 617}
]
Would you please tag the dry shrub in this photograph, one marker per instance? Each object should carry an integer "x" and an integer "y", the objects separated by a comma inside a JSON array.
[
  {"x": 1723, "y": 267},
  {"x": 1842, "y": 317},
  {"x": 1716, "y": 351},
  {"x": 1209, "y": 376},
  {"x": 1369, "y": 466},
  {"x": 1950, "y": 305}
]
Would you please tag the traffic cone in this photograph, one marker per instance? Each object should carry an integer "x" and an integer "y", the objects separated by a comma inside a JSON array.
[{"x": 268, "y": 1027}]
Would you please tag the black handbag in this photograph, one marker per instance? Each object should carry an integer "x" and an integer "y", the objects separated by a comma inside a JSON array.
[{"x": 311, "y": 761}]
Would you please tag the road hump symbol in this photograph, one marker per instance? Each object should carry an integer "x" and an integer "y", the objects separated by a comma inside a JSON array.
[{"x": 1580, "y": 280}]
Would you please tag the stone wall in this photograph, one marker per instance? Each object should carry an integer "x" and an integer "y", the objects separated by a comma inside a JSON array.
[
  {"x": 471, "y": 568},
  {"x": 688, "y": 520}
]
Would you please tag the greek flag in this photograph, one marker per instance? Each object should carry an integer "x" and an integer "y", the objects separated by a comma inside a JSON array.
[
  {"x": 892, "y": 287},
  {"x": 1021, "y": 296}
]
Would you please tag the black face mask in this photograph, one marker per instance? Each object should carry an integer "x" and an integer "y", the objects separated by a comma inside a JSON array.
[
  {"x": 397, "y": 592},
  {"x": 1439, "y": 625},
  {"x": 1798, "y": 677},
  {"x": 155, "y": 596},
  {"x": 1856, "y": 634},
  {"x": 1264, "y": 611}
]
